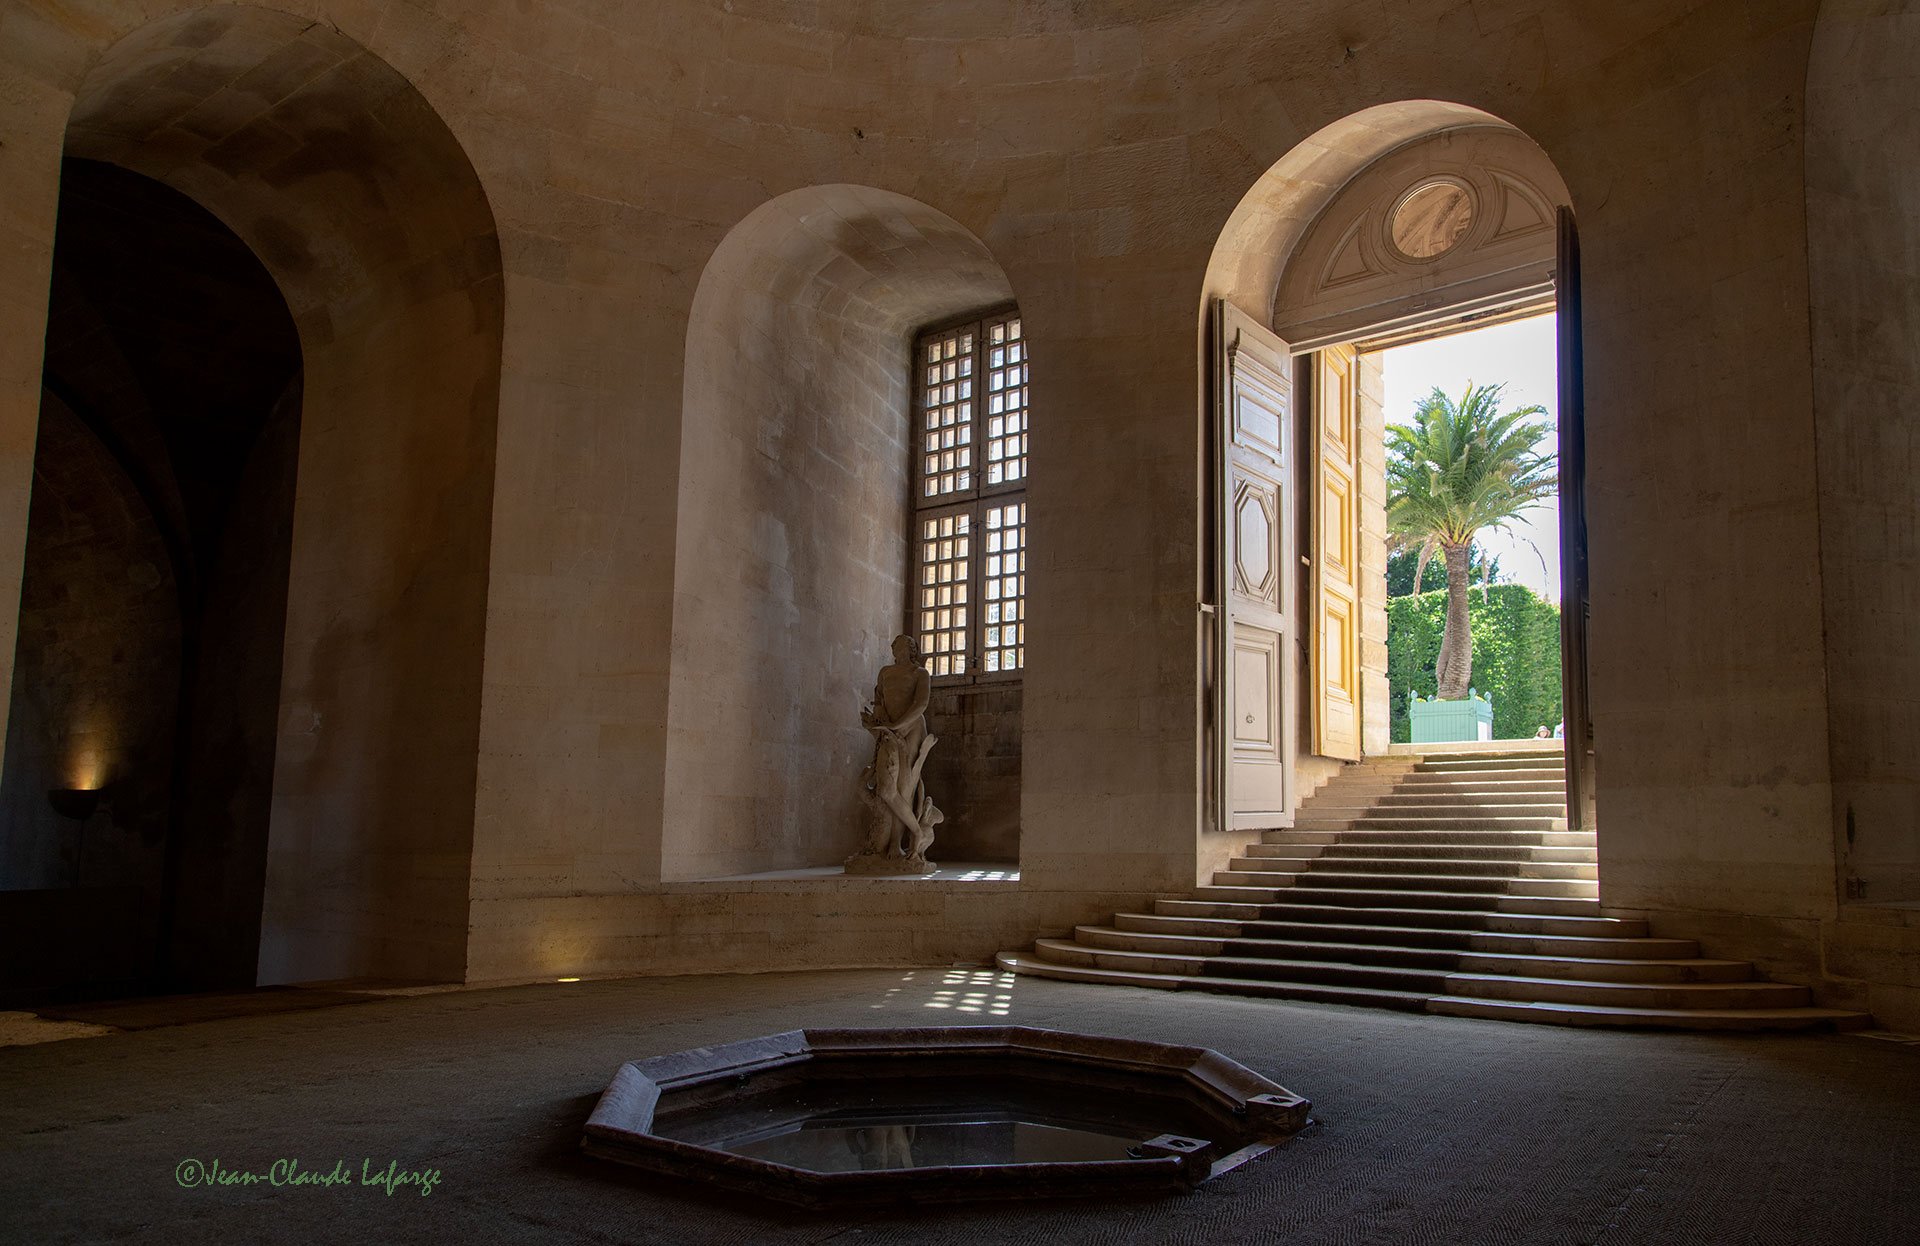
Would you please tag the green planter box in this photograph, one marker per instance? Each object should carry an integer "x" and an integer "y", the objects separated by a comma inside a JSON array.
[{"x": 1436, "y": 722}]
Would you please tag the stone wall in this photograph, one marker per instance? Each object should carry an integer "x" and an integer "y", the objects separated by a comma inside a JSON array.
[
  {"x": 1863, "y": 238},
  {"x": 232, "y": 714},
  {"x": 973, "y": 774},
  {"x": 1107, "y": 158},
  {"x": 97, "y": 671}
]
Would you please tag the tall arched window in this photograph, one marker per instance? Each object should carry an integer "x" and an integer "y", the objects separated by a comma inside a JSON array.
[{"x": 970, "y": 497}]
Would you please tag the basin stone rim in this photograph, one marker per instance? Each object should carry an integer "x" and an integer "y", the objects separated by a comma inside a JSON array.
[{"x": 621, "y": 1126}]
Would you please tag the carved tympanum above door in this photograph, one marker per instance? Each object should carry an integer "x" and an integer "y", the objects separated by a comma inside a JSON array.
[{"x": 1455, "y": 226}]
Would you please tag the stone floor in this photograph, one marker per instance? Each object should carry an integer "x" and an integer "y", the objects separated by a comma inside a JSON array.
[{"x": 1430, "y": 1129}]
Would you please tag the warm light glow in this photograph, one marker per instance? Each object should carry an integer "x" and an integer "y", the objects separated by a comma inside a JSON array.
[
  {"x": 83, "y": 773},
  {"x": 87, "y": 745},
  {"x": 566, "y": 979}
]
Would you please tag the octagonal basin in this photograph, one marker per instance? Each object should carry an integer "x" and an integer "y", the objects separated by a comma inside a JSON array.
[{"x": 857, "y": 1117}]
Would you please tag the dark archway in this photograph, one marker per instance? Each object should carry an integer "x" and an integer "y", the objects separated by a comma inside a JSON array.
[
  {"x": 153, "y": 600},
  {"x": 353, "y": 194}
]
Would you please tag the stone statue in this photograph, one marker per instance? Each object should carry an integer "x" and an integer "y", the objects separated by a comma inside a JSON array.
[{"x": 900, "y": 815}]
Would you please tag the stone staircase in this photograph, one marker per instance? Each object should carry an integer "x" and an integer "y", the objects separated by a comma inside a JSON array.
[{"x": 1445, "y": 884}]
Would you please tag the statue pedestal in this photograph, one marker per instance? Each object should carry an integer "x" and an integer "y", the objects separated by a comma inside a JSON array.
[{"x": 888, "y": 863}]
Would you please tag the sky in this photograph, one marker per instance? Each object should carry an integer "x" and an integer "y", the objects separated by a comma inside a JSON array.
[{"x": 1522, "y": 355}]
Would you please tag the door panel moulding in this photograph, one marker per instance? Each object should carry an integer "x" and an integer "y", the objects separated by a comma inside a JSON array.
[{"x": 1253, "y": 686}]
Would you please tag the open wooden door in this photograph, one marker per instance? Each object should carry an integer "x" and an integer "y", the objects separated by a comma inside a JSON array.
[
  {"x": 1335, "y": 645},
  {"x": 1574, "y": 600},
  {"x": 1254, "y": 708}
]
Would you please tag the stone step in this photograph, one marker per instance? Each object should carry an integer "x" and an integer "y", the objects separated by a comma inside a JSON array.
[
  {"x": 1440, "y": 793},
  {"x": 1338, "y": 862},
  {"x": 1599, "y": 966},
  {"x": 1445, "y": 798},
  {"x": 1161, "y": 923},
  {"x": 1238, "y": 907},
  {"x": 1559, "y": 888},
  {"x": 1424, "y": 851},
  {"x": 1439, "y": 960},
  {"x": 1459, "y": 763},
  {"x": 1387, "y": 822},
  {"x": 1370, "y": 997},
  {"x": 1436, "y": 839},
  {"x": 1353, "y": 863},
  {"x": 1665, "y": 1018},
  {"x": 1327, "y": 973},
  {"x": 1068, "y": 952},
  {"x": 1476, "y": 810},
  {"x": 1696, "y": 1006},
  {"x": 1317, "y": 993},
  {"x": 1111, "y": 937},
  {"x": 1283, "y": 957},
  {"x": 1416, "y": 851},
  {"x": 1519, "y": 935},
  {"x": 1311, "y": 973},
  {"x": 1211, "y": 910},
  {"x": 1313, "y": 894},
  {"x": 1629, "y": 994},
  {"x": 1603, "y": 968},
  {"x": 1039, "y": 967},
  {"x": 1585, "y": 923},
  {"x": 1118, "y": 939},
  {"x": 1557, "y": 906},
  {"x": 1483, "y": 781},
  {"x": 1326, "y": 879}
]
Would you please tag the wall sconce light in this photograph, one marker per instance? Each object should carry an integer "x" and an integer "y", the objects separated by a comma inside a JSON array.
[{"x": 77, "y": 803}]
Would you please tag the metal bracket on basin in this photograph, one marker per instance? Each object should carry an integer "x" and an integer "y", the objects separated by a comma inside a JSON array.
[
  {"x": 1277, "y": 1115},
  {"x": 1195, "y": 1154}
]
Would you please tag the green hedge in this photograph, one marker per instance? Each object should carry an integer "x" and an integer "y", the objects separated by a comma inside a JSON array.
[{"x": 1516, "y": 655}]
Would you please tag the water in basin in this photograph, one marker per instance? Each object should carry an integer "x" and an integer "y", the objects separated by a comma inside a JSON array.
[
  {"x": 864, "y": 1124},
  {"x": 863, "y": 1145}
]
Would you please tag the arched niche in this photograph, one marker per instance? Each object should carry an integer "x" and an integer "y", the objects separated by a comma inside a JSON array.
[
  {"x": 790, "y": 561},
  {"x": 1863, "y": 258},
  {"x": 347, "y": 185}
]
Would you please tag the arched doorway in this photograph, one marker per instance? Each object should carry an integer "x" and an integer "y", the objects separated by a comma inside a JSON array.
[
  {"x": 1305, "y": 281},
  {"x": 153, "y": 599},
  {"x": 349, "y": 191}
]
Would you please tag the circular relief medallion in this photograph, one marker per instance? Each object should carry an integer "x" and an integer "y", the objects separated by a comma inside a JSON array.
[{"x": 1430, "y": 219}]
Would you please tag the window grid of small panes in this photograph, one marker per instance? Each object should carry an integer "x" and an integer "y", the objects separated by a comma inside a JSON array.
[
  {"x": 946, "y": 465},
  {"x": 1003, "y": 575},
  {"x": 971, "y": 565},
  {"x": 946, "y": 558},
  {"x": 1006, "y": 403}
]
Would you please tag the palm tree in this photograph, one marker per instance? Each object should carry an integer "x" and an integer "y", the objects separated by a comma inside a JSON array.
[{"x": 1460, "y": 468}]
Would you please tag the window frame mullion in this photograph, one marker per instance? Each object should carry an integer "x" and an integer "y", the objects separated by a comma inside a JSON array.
[{"x": 975, "y": 499}]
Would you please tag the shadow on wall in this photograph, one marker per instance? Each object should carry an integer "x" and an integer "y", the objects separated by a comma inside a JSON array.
[
  {"x": 791, "y": 555},
  {"x": 1863, "y": 232},
  {"x": 153, "y": 595},
  {"x": 361, "y": 204}
]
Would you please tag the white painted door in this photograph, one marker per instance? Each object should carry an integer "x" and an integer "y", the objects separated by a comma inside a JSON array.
[{"x": 1254, "y": 571}]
